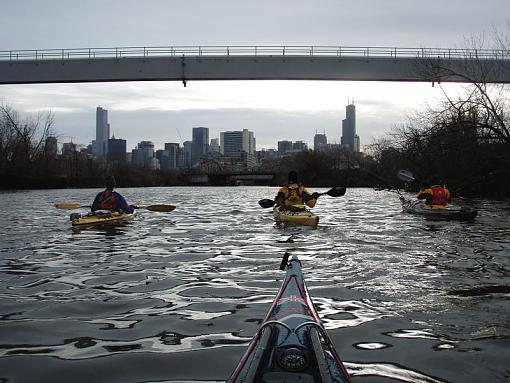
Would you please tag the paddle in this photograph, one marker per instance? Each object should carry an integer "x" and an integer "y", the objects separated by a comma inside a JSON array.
[
  {"x": 284, "y": 262},
  {"x": 70, "y": 206},
  {"x": 158, "y": 207},
  {"x": 336, "y": 191},
  {"x": 405, "y": 175}
]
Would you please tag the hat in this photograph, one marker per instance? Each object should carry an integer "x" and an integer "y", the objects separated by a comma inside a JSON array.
[
  {"x": 109, "y": 182},
  {"x": 293, "y": 176}
]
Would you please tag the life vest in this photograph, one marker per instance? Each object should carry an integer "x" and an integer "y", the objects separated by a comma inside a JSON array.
[
  {"x": 293, "y": 194},
  {"x": 107, "y": 200},
  {"x": 439, "y": 196}
]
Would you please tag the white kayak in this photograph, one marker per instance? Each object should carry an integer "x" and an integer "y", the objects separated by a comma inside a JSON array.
[{"x": 418, "y": 207}]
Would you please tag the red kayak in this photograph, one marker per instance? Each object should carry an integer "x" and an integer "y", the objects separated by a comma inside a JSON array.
[{"x": 291, "y": 345}]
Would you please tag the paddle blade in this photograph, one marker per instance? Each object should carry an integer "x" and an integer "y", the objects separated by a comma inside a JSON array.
[
  {"x": 337, "y": 191},
  {"x": 284, "y": 262},
  {"x": 265, "y": 203},
  {"x": 405, "y": 175},
  {"x": 161, "y": 208},
  {"x": 68, "y": 206}
]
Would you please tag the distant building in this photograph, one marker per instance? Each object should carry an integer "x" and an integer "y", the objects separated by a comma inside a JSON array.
[
  {"x": 51, "y": 147},
  {"x": 214, "y": 146},
  {"x": 231, "y": 142},
  {"x": 236, "y": 141},
  {"x": 69, "y": 149},
  {"x": 100, "y": 144},
  {"x": 349, "y": 137},
  {"x": 172, "y": 150},
  {"x": 163, "y": 158},
  {"x": 320, "y": 141},
  {"x": 143, "y": 155},
  {"x": 265, "y": 155},
  {"x": 284, "y": 147},
  {"x": 249, "y": 145},
  {"x": 199, "y": 144},
  {"x": 116, "y": 150},
  {"x": 186, "y": 155},
  {"x": 299, "y": 146},
  {"x": 239, "y": 146}
]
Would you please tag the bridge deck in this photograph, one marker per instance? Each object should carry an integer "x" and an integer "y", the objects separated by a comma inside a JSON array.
[{"x": 184, "y": 63}]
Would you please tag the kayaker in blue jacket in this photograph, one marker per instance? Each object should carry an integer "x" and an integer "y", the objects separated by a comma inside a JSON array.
[
  {"x": 294, "y": 193},
  {"x": 111, "y": 200}
]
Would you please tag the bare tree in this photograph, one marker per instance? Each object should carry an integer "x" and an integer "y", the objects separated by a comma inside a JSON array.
[
  {"x": 22, "y": 140},
  {"x": 484, "y": 97}
]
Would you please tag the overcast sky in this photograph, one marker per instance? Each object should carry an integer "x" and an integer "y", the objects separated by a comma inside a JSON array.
[{"x": 274, "y": 110}]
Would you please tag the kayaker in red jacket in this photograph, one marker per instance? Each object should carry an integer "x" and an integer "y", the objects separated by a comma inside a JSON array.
[
  {"x": 294, "y": 193},
  {"x": 435, "y": 195},
  {"x": 111, "y": 200}
]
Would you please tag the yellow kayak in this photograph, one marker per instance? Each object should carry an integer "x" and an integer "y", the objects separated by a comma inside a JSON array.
[
  {"x": 98, "y": 218},
  {"x": 298, "y": 215}
]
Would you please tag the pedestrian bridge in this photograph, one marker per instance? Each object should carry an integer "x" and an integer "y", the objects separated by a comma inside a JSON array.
[{"x": 197, "y": 63}]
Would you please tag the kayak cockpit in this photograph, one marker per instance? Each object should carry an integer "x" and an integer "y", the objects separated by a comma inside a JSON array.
[{"x": 282, "y": 354}]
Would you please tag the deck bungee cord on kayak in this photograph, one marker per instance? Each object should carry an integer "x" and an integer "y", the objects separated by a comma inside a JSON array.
[{"x": 291, "y": 345}]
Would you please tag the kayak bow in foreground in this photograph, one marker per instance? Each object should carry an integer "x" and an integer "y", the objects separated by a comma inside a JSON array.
[{"x": 291, "y": 344}]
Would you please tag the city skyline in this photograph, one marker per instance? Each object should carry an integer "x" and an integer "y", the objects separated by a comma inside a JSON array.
[
  {"x": 104, "y": 133},
  {"x": 275, "y": 110}
]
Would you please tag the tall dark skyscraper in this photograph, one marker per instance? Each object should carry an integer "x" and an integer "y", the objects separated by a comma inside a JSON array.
[
  {"x": 349, "y": 137},
  {"x": 100, "y": 145},
  {"x": 199, "y": 144}
]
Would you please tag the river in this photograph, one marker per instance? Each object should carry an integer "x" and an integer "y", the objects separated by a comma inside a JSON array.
[{"x": 176, "y": 297}]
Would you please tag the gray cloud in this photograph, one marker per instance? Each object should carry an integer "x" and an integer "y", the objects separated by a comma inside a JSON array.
[{"x": 33, "y": 24}]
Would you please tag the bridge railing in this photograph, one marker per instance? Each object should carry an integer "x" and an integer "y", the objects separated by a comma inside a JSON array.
[{"x": 250, "y": 51}]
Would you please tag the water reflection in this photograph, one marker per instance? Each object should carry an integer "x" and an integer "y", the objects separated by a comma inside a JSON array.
[{"x": 402, "y": 298}]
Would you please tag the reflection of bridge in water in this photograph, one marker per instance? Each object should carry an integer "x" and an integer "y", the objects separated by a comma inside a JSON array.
[{"x": 184, "y": 63}]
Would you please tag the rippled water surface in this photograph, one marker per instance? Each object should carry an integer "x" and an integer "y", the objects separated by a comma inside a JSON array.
[{"x": 177, "y": 296}]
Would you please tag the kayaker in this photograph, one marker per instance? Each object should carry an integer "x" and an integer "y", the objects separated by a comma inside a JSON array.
[
  {"x": 294, "y": 193},
  {"x": 435, "y": 195},
  {"x": 111, "y": 200}
]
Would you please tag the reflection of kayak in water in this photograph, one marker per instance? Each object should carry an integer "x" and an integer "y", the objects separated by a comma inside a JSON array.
[
  {"x": 297, "y": 214},
  {"x": 98, "y": 218},
  {"x": 291, "y": 345},
  {"x": 443, "y": 213}
]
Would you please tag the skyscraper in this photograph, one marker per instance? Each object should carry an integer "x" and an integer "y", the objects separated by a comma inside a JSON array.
[
  {"x": 214, "y": 146},
  {"x": 51, "y": 147},
  {"x": 320, "y": 141},
  {"x": 143, "y": 155},
  {"x": 100, "y": 144},
  {"x": 199, "y": 144},
  {"x": 237, "y": 141},
  {"x": 299, "y": 146},
  {"x": 186, "y": 153},
  {"x": 172, "y": 149},
  {"x": 349, "y": 137},
  {"x": 116, "y": 150},
  {"x": 238, "y": 145},
  {"x": 284, "y": 147}
]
